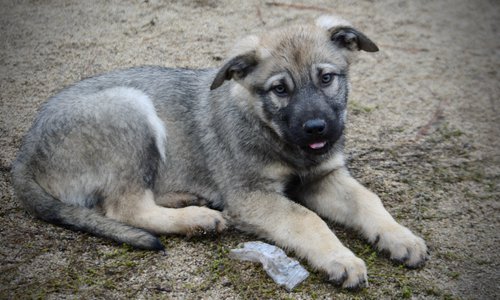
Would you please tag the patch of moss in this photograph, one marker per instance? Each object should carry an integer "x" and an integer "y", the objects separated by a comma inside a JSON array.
[{"x": 357, "y": 108}]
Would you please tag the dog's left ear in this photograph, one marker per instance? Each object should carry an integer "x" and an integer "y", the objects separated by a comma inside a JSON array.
[
  {"x": 236, "y": 68},
  {"x": 350, "y": 38},
  {"x": 344, "y": 35}
]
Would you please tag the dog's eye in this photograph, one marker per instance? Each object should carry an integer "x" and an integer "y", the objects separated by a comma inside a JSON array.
[
  {"x": 326, "y": 78},
  {"x": 280, "y": 90}
]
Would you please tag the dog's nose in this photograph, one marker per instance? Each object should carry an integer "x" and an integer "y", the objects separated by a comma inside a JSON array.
[{"x": 315, "y": 127}]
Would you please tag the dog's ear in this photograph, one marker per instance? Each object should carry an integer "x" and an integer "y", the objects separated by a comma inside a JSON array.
[
  {"x": 350, "y": 38},
  {"x": 236, "y": 68},
  {"x": 344, "y": 35}
]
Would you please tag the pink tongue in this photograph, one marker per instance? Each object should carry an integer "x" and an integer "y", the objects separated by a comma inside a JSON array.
[{"x": 317, "y": 145}]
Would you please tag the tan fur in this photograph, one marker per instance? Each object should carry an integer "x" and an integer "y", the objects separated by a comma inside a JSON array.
[
  {"x": 140, "y": 210},
  {"x": 314, "y": 45},
  {"x": 340, "y": 198}
]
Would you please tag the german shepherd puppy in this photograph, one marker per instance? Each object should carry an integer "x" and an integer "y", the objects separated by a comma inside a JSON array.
[{"x": 256, "y": 144}]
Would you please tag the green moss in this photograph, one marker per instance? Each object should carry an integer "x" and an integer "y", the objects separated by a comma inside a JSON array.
[
  {"x": 454, "y": 275},
  {"x": 406, "y": 292},
  {"x": 357, "y": 108}
]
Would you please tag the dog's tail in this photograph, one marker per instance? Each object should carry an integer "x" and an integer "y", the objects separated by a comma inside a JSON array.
[{"x": 44, "y": 206}]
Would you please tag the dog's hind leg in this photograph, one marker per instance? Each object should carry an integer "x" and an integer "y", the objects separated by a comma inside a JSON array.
[{"x": 140, "y": 210}]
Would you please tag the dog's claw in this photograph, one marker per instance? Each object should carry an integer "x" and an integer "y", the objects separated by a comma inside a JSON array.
[{"x": 338, "y": 281}]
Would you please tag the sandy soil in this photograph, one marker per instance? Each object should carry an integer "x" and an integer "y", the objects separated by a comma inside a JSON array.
[{"x": 424, "y": 134}]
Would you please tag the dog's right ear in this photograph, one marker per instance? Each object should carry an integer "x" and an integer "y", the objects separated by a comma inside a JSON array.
[{"x": 236, "y": 68}]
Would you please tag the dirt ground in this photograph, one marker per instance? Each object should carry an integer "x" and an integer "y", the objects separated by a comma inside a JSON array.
[{"x": 424, "y": 134}]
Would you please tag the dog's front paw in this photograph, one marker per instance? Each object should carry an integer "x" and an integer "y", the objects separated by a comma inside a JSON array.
[
  {"x": 347, "y": 270},
  {"x": 403, "y": 246}
]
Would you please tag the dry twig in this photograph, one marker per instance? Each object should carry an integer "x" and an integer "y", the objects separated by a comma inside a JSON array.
[
  {"x": 412, "y": 50},
  {"x": 435, "y": 119}
]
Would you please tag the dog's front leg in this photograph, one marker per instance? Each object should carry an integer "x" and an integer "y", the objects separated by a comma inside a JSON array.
[
  {"x": 294, "y": 227},
  {"x": 340, "y": 198}
]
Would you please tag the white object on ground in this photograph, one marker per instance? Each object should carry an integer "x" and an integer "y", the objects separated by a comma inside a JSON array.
[{"x": 284, "y": 270}]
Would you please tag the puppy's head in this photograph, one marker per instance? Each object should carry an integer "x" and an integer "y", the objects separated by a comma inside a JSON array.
[{"x": 295, "y": 80}]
